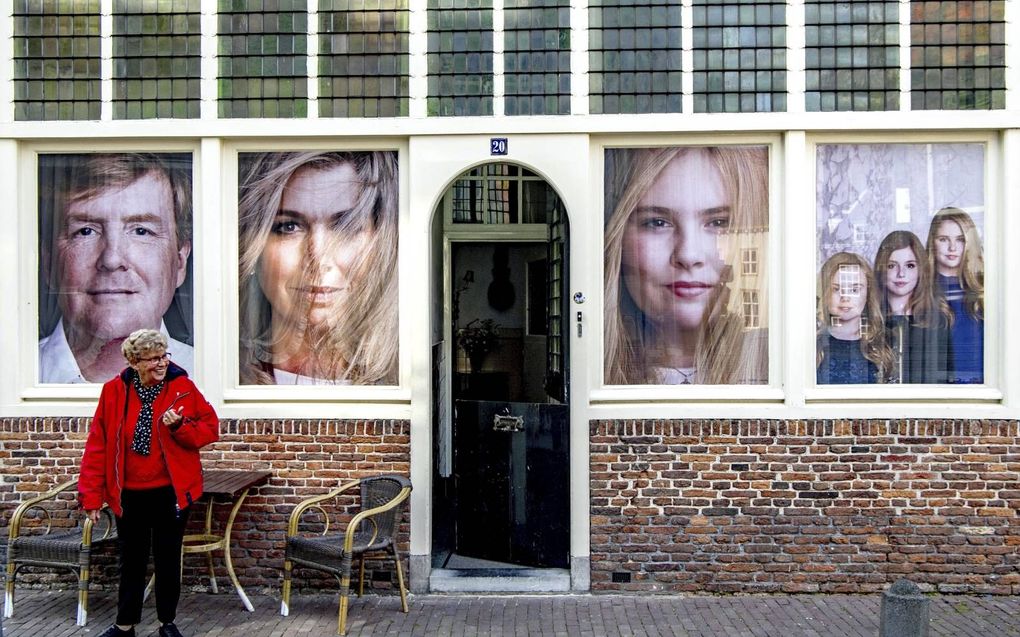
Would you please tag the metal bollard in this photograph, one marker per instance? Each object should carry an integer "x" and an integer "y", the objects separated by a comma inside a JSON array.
[{"x": 904, "y": 611}]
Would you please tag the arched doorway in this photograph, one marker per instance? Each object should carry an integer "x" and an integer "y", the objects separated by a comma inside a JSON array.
[{"x": 500, "y": 379}]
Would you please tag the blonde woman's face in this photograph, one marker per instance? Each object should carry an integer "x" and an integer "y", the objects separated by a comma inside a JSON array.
[
  {"x": 848, "y": 293},
  {"x": 674, "y": 243},
  {"x": 901, "y": 273},
  {"x": 949, "y": 244},
  {"x": 305, "y": 267}
]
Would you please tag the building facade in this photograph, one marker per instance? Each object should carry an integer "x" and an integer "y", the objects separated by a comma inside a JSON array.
[{"x": 673, "y": 295}]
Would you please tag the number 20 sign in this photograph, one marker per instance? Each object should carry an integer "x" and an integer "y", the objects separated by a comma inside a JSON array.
[{"x": 497, "y": 146}]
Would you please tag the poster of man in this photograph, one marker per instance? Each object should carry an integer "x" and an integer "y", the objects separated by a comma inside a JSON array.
[{"x": 115, "y": 257}]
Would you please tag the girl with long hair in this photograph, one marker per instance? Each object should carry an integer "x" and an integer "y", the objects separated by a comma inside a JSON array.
[
  {"x": 916, "y": 320},
  {"x": 851, "y": 333},
  {"x": 317, "y": 267},
  {"x": 684, "y": 225},
  {"x": 956, "y": 256}
]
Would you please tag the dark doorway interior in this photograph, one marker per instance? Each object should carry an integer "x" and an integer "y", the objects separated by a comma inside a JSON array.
[{"x": 504, "y": 500}]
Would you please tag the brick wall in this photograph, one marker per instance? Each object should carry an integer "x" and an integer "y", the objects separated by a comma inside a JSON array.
[
  {"x": 307, "y": 457},
  {"x": 805, "y": 506}
]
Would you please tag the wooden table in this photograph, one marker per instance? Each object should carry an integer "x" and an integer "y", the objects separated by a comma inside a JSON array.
[{"x": 222, "y": 486}]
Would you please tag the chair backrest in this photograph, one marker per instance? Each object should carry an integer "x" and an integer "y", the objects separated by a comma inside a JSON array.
[{"x": 377, "y": 491}]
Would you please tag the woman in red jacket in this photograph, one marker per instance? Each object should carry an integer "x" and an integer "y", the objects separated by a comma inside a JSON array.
[{"x": 141, "y": 458}]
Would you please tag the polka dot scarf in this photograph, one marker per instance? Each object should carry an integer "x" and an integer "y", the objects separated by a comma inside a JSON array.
[{"x": 143, "y": 428}]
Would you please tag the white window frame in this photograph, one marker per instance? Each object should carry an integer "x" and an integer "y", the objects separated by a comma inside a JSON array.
[
  {"x": 993, "y": 390},
  {"x": 749, "y": 262},
  {"x": 748, "y": 395},
  {"x": 390, "y": 401}
]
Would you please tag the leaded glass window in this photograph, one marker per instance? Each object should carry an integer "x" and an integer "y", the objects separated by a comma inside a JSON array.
[
  {"x": 459, "y": 57},
  {"x": 852, "y": 56},
  {"x": 536, "y": 57},
  {"x": 262, "y": 58},
  {"x": 56, "y": 60},
  {"x": 958, "y": 55},
  {"x": 739, "y": 56},
  {"x": 364, "y": 63},
  {"x": 634, "y": 56},
  {"x": 157, "y": 48}
]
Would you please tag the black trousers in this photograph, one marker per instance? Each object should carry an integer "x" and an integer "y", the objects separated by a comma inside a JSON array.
[{"x": 151, "y": 523}]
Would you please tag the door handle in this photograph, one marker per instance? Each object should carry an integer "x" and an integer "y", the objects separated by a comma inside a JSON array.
[{"x": 506, "y": 422}]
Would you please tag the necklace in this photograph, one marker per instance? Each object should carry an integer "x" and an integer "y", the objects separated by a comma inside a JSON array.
[{"x": 678, "y": 375}]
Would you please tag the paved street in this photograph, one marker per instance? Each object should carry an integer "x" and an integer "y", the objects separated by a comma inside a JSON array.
[{"x": 51, "y": 614}]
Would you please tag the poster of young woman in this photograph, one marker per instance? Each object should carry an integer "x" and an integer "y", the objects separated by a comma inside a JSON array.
[
  {"x": 317, "y": 268},
  {"x": 686, "y": 238},
  {"x": 900, "y": 263},
  {"x": 115, "y": 257}
]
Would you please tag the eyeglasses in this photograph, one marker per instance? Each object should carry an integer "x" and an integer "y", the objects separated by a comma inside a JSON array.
[{"x": 155, "y": 360}]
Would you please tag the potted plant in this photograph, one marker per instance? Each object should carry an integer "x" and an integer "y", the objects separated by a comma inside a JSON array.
[{"x": 477, "y": 339}]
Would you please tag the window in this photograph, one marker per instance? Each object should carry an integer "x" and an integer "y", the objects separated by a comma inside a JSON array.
[
  {"x": 749, "y": 262},
  {"x": 673, "y": 314},
  {"x": 750, "y": 306},
  {"x": 900, "y": 229}
]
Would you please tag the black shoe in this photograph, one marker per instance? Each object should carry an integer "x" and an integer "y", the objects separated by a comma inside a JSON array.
[
  {"x": 169, "y": 630},
  {"x": 113, "y": 631}
]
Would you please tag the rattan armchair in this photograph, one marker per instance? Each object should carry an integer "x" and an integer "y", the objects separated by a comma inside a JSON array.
[
  {"x": 64, "y": 549},
  {"x": 372, "y": 529}
]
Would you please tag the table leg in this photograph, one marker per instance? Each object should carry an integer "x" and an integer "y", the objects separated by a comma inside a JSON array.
[
  {"x": 226, "y": 551},
  {"x": 208, "y": 555}
]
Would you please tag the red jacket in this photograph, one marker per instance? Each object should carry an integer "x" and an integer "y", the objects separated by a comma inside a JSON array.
[{"x": 102, "y": 466}]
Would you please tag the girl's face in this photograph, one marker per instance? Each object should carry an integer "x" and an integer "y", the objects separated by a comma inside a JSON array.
[
  {"x": 949, "y": 244},
  {"x": 901, "y": 273},
  {"x": 305, "y": 267},
  {"x": 848, "y": 293},
  {"x": 673, "y": 257}
]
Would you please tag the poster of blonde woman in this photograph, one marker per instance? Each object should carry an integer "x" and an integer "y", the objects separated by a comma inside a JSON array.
[
  {"x": 318, "y": 268},
  {"x": 686, "y": 238},
  {"x": 912, "y": 217}
]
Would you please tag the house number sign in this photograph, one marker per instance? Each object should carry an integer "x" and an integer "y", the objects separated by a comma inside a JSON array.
[{"x": 497, "y": 146}]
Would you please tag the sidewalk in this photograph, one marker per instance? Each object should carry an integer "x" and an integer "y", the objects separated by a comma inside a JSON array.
[{"x": 51, "y": 614}]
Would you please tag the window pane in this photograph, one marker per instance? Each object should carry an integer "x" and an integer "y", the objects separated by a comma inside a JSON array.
[
  {"x": 364, "y": 59},
  {"x": 262, "y": 59},
  {"x": 318, "y": 268},
  {"x": 685, "y": 308},
  {"x": 634, "y": 54},
  {"x": 459, "y": 58},
  {"x": 901, "y": 271},
  {"x": 56, "y": 60}
]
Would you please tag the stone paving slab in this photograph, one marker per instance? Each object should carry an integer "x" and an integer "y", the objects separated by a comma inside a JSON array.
[{"x": 51, "y": 614}]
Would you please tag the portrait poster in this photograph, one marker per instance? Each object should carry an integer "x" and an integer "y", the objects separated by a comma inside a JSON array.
[
  {"x": 115, "y": 256},
  {"x": 317, "y": 271},
  {"x": 900, "y": 263},
  {"x": 686, "y": 265}
]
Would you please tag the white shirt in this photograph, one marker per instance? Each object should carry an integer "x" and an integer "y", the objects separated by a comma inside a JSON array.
[
  {"x": 58, "y": 365},
  {"x": 283, "y": 377}
]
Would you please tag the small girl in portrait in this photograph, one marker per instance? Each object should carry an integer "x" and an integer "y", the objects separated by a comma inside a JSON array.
[
  {"x": 916, "y": 320},
  {"x": 851, "y": 336},
  {"x": 956, "y": 256}
]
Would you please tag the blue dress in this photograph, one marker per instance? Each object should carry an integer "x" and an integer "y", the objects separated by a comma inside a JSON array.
[
  {"x": 967, "y": 338},
  {"x": 843, "y": 363}
]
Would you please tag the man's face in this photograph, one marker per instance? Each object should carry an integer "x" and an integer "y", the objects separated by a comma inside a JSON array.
[{"x": 118, "y": 262}]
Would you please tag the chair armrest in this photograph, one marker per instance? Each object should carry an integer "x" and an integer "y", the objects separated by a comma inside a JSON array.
[
  {"x": 295, "y": 515},
  {"x": 19, "y": 513},
  {"x": 352, "y": 526}
]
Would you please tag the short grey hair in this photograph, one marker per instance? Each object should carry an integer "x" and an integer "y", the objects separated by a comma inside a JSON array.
[{"x": 142, "y": 342}]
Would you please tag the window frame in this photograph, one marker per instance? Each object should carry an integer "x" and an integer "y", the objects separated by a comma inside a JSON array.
[
  {"x": 772, "y": 392},
  {"x": 993, "y": 390},
  {"x": 376, "y": 400}
]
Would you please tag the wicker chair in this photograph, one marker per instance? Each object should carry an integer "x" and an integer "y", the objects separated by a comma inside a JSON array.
[
  {"x": 371, "y": 530},
  {"x": 66, "y": 549}
]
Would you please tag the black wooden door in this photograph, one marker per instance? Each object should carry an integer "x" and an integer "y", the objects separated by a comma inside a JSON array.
[{"x": 512, "y": 473}]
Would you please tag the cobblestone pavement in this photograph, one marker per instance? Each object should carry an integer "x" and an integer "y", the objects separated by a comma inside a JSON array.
[{"x": 51, "y": 614}]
